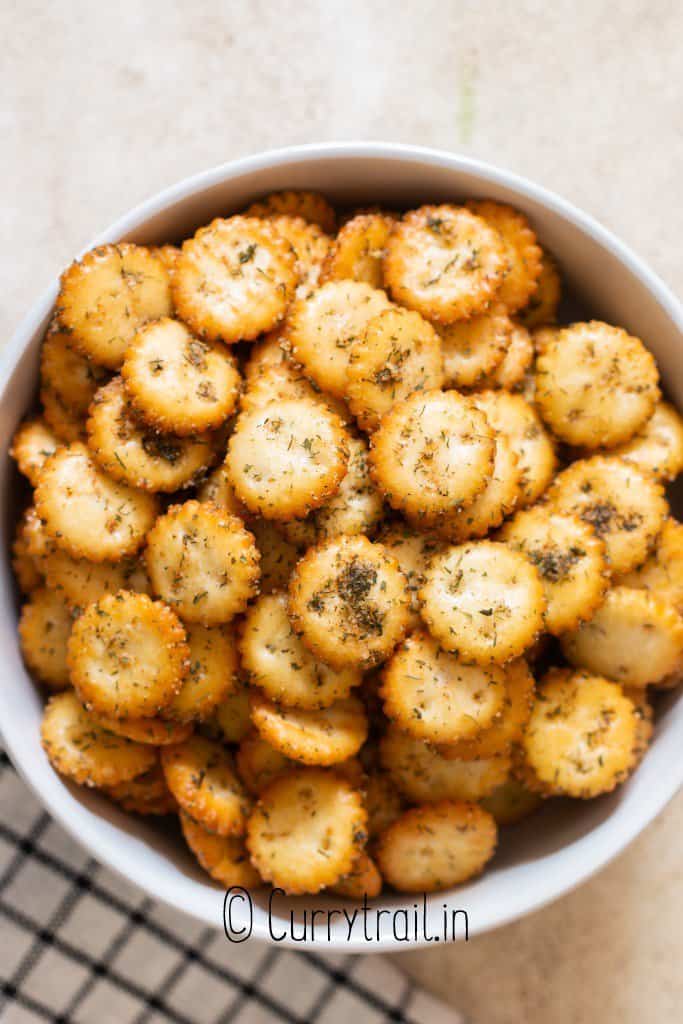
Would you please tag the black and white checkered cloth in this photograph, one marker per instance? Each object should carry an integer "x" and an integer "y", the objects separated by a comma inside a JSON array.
[{"x": 80, "y": 946}]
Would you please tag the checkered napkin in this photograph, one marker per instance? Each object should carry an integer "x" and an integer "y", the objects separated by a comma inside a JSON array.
[{"x": 80, "y": 946}]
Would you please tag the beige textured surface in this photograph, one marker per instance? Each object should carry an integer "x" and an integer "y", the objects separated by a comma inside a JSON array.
[{"x": 102, "y": 104}]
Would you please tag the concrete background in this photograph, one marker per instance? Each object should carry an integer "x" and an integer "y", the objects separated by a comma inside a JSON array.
[{"x": 103, "y": 104}]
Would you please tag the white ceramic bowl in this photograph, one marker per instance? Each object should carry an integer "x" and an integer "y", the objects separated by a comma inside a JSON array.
[{"x": 562, "y": 845}]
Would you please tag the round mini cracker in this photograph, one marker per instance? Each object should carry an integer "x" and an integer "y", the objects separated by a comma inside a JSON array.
[
  {"x": 80, "y": 749},
  {"x": 634, "y": 638},
  {"x": 37, "y": 542},
  {"x": 217, "y": 489},
  {"x": 88, "y": 513},
  {"x": 271, "y": 374},
  {"x": 434, "y": 696},
  {"x": 108, "y": 295},
  {"x": 323, "y": 329},
  {"x": 413, "y": 551},
  {"x": 511, "y": 802},
  {"x": 158, "y": 732},
  {"x": 596, "y": 385},
  {"x": 44, "y": 629},
  {"x": 234, "y": 279},
  {"x": 310, "y": 246},
  {"x": 498, "y": 499},
  {"x": 473, "y": 348},
  {"x": 301, "y": 533},
  {"x": 284, "y": 383},
  {"x": 382, "y": 801},
  {"x": 542, "y": 337},
  {"x": 624, "y": 504},
  {"x": 639, "y": 697},
  {"x": 429, "y": 849},
  {"x": 168, "y": 254},
  {"x": 523, "y": 255},
  {"x": 306, "y": 831},
  {"x": 515, "y": 418},
  {"x": 314, "y": 736},
  {"x": 544, "y": 302},
  {"x": 127, "y": 655},
  {"x": 348, "y": 601},
  {"x": 275, "y": 659},
  {"x": 399, "y": 353},
  {"x": 483, "y": 601},
  {"x": 662, "y": 572},
  {"x": 131, "y": 451},
  {"x": 422, "y": 774},
  {"x": 231, "y": 721},
  {"x": 70, "y": 376},
  {"x": 224, "y": 858},
  {"x": 285, "y": 460},
  {"x": 444, "y": 262},
  {"x": 202, "y": 562},
  {"x": 357, "y": 506},
  {"x": 80, "y": 582},
  {"x": 32, "y": 445},
  {"x": 516, "y": 363},
  {"x": 177, "y": 383},
  {"x": 212, "y": 674},
  {"x": 508, "y": 725},
  {"x": 61, "y": 418},
  {"x": 358, "y": 250},
  {"x": 146, "y": 794},
  {"x": 201, "y": 776},
  {"x": 432, "y": 455},
  {"x": 278, "y": 555},
  {"x": 258, "y": 763},
  {"x": 27, "y": 569},
  {"x": 658, "y": 446},
  {"x": 571, "y": 561},
  {"x": 268, "y": 353},
  {"x": 310, "y": 206},
  {"x": 362, "y": 882},
  {"x": 581, "y": 737}
]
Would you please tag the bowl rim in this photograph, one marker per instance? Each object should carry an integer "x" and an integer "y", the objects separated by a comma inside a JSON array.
[{"x": 606, "y": 842}]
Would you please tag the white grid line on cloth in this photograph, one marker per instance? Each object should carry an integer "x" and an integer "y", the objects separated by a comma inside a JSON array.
[
  {"x": 27, "y": 848},
  {"x": 104, "y": 963},
  {"x": 54, "y": 923},
  {"x": 97, "y": 968},
  {"x": 172, "y": 978},
  {"x": 248, "y": 998},
  {"x": 341, "y": 976},
  {"x": 325, "y": 995},
  {"x": 23, "y": 845},
  {"x": 233, "y": 1011}
]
